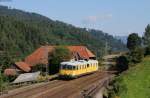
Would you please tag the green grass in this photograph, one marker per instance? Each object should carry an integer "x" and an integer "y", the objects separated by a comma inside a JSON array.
[{"x": 137, "y": 81}]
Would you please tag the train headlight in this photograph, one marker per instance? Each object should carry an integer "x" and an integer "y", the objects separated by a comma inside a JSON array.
[{"x": 73, "y": 74}]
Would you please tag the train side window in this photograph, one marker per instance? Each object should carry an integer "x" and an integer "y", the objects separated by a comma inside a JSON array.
[
  {"x": 78, "y": 67},
  {"x": 67, "y": 67},
  {"x": 88, "y": 65},
  {"x": 73, "y": 67},
  {"x": 64, "y": 67},
  {"x": 70, "y": 67}
]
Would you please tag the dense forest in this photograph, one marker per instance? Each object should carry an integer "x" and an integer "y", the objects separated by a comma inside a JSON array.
[{"x": 22, "y": 32}]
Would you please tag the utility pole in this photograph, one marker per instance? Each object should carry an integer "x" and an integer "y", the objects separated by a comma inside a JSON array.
[
  {"x": 1, "y": 77},
  {"x": 1, "y": 80},
  {"x": 106, "y": 48},
  {"x": 47, "y": 65}
]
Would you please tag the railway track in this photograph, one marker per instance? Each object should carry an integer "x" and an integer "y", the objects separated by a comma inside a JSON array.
[{"x": 60, "y": 88}]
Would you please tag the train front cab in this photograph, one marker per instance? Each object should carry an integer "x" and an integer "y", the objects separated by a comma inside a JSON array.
[{"x": 67, "y": 71}]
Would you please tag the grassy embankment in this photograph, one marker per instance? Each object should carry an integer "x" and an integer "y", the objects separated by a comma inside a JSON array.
[{"x": 137, "y": 81}]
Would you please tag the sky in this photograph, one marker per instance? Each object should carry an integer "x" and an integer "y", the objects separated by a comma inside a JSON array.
[{"x": 116, "y": 17}]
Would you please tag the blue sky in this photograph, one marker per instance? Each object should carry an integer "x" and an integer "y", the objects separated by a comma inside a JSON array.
[{"x": 116, "y": 17}]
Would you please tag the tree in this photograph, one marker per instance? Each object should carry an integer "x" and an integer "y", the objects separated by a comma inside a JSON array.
[
  {"x": 146, "y": 39},
  {"x": 134, "y": 45},
  {"x": 59, "y": 54},
  {"x": 133, "y": 41},
  {"x": 146, "y": 36},
  {"x": 5, "y": 61}
]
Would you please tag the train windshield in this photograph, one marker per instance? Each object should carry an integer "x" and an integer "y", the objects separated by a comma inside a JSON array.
[{"x": 68, "y": 67}]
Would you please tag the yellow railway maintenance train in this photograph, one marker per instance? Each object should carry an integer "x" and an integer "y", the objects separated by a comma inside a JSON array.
[{"x": 74, "y": 69}]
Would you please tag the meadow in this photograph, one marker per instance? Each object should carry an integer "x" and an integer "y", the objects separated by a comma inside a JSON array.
[{"x": 136, "y": 81}]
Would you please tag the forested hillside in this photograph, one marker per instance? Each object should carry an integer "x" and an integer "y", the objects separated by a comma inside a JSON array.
[{"x": 22, "y": 32}]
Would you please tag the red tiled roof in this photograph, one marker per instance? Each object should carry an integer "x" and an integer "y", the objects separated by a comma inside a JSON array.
[
  {"x": 23, "y": 66},
  {"x": 10, "y": 71},
  {"x": 82, "y": 51},
  {"x": 39, "y": 56}
]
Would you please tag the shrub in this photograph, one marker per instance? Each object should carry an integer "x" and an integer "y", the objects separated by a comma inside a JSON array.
[
  {"x": 117, "y": 87},
  {"x": 147, "y": 50},
  {"x": 136, "y": 56},
  {"x": 122, "y": 63}
]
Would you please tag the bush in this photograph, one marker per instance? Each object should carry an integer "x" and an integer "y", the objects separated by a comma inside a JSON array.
[
  {"x": 147, "y": 51},
  {"x": 3, "y": 82},
  {"x": 122, "y": 63},
  {"x": 136, "y": 56},
  {"x": 117, "y": 87}
]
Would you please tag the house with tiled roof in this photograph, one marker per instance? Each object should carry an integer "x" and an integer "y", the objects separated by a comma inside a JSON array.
[{"x": 40, "y": 56}]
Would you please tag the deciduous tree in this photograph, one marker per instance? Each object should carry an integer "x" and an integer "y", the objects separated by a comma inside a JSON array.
[
  {"x": 133, "y": 41},
  {"x": 60, "y": 54},
  {"x": 146, "y": 39}
]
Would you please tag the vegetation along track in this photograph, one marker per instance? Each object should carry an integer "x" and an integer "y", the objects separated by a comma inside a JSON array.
[{"x": 60, "y": 88}]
